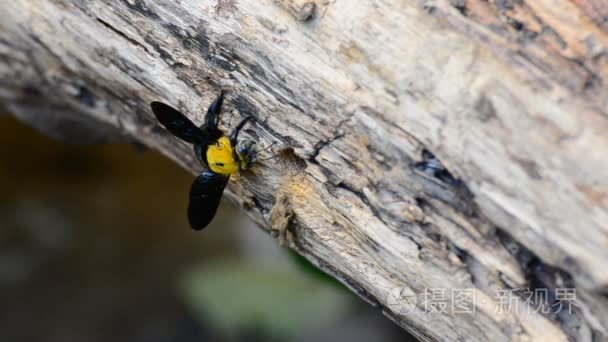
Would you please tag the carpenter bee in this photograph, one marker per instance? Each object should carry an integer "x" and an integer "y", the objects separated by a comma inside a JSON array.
[{"x": 222, "y": 155}]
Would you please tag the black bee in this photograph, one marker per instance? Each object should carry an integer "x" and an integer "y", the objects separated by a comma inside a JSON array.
[{"x": 222, "y": 155}]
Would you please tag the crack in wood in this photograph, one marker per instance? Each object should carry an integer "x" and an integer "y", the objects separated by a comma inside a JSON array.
[{"x": 122, "y": 34}]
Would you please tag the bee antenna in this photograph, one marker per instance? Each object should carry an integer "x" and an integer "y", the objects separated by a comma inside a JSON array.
[{"x": 267, "y": 147}]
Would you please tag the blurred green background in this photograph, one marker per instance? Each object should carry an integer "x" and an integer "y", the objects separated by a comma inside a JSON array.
[{"x": 95, "y": 246}]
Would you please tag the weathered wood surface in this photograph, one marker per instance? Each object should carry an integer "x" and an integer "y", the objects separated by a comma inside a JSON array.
[{"x": 510, "y": 95}]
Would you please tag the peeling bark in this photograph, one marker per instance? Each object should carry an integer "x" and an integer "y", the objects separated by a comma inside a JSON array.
[{"x": 510, "y": 96}]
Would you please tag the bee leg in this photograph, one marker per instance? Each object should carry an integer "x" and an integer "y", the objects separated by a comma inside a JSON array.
[{"x": 280, "y": 218}]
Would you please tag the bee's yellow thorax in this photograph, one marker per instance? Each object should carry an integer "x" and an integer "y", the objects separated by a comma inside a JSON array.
[{"x": 220, "y": 157}]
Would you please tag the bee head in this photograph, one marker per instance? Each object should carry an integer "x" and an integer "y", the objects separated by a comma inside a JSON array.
[{"x": 247, "y": 153}]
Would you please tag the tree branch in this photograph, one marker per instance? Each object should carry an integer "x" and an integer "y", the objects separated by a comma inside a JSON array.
[{"x": 509, "y": 96}]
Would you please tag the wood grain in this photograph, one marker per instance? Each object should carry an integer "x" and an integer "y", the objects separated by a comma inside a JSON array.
[{"x": 510, "y": 96}]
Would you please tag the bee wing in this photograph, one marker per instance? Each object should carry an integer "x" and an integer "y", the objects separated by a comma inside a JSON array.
[
  {"x": 205, "y": 195},
  {"x": 177, "y": 123},
  {"x": 212, "y": 119}
]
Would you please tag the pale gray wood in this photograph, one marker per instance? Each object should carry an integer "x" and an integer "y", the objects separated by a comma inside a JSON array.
[{"x": 510, "y": 96}]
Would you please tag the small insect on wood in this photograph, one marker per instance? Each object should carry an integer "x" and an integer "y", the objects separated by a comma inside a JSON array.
[{"x": 222, "y": 155}]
